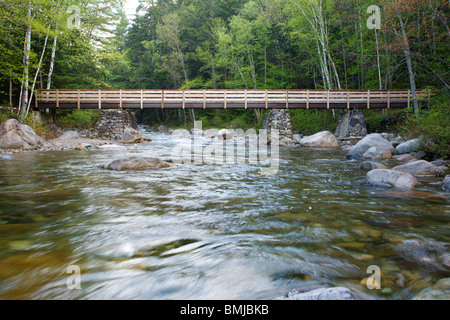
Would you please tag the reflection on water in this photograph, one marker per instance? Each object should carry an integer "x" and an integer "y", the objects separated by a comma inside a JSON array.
[{"x": 212, "y": 231}]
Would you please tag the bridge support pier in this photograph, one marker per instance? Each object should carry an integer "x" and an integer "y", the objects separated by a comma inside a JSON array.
[{"x": 352, "y": 126}]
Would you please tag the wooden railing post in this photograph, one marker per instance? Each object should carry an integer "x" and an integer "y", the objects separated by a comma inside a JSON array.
[
  {"x": 328, "y": 99},
  {"x": 142, "y": 99},
  {"x": 389, "y": 99},
  {"x": 307, "y": 99},
  {"x": 266, "y": 96},
  {"x": 225, "y": 99},
  {"x": 368, "y": 99},
  {"x": 245, "y": 98},
  {"x": 78, "y": 99},
  {"x": 409, "y": 98},
  {"x": 348, "y": 99},
  {"x": 99, "y": 99},
  {"x": 162, "y": 100},
  {"x": 120, "y": 99},
  {"x": 57, "y": 98},
  {"x": 204, "y": 99}
]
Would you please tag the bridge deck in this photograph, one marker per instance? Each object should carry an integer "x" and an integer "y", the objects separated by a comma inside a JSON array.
[{"x": 224, "y": 99}]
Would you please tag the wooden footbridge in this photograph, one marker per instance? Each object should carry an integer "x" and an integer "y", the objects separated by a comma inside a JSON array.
[{"x": 226, "y": 99}]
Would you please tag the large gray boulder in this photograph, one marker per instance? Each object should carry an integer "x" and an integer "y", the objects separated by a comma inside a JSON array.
[
  {"x": 407, "y": 147},
  {"x": 391, "y": 179},
  {"x": 324, "y": 139},
  {"x": 420, "y": 168},
  {"x": 134, "y": 163},
  {"x": 319, "y": 293},
  {"x": 131, "y": 135},
  {"x": 14, "y": 135},
  {"x": 371, "y": 140}
]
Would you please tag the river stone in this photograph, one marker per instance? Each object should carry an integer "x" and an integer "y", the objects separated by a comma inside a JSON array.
[
  {"x": 131, "y": 135},
  {"x": 391, "y": 179},
  {"x": 405, "y": 157},
  {"x": 323, "y": 139},
  {"x": 14, "y": 135},
  {"x": 134, "y": 163},
  {"x": 319, "y": 293},
  {"x": 371, "y": 165},
  {"x": 375, "y": 154},
  {"x": 420, "y": 168},
  {"x": 407, "y": 147},
  {"x": 446, "y": 183},
  {"x": 69, "y": 135},
  {"x": 438, "y": 291},
  {"x": 224, "y": 134},
  {"x": 369, "y": 141}
]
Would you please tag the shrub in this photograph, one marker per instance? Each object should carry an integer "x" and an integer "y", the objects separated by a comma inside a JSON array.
[
  {"x": 77, "y": 119},
  {"x": 433, "y": 125}
]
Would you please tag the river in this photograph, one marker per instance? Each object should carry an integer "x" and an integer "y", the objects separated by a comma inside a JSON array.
[{"x": 212, "y": 231}]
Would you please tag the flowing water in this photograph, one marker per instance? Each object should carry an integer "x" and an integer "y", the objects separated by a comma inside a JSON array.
[{"x": 212, "y": 231}]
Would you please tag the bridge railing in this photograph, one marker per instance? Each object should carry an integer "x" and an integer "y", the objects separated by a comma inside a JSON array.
[{"x": 224, "y": 98}]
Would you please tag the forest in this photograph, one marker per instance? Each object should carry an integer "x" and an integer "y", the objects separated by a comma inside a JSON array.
[{"x": 223, "y": 44}]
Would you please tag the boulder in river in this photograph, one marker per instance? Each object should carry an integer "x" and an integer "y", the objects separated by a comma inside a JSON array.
[
  {"x": 420, "y": 168},
  {"x": 14, "y": 135},
  {"x": 391, "y": 179},
  {"x": 371, "y": 165},
  {"x": 134, "y": 163},
  {"x": 224, "y": 134},
  {"x": 405, "y": 157},
  {"x": 375, "y": 154},
  {"x": 371, "y": 140},
  {"x": 131, "y": 135},
  {"x": 324, "y": 139},
  {"x": 319, "y": 293},
  {"x": 407, "y": 147},
  {"x": 446, "y": 183}
]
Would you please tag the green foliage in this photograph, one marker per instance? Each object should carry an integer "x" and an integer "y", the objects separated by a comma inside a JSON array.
[
  {"x": 432, "y": 125},
  {"x": 312, "y": 121},
  {"x": 77, "y": 119}
]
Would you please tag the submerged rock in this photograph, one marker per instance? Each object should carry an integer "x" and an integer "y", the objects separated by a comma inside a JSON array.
[
  {"x": 134, "y": 163},
  {"x": 319, "y": 293},
  {"x": 391, "y": 179},
  {"x": 371, "y": 165},
  {"x": 324, "y": 139},
  {"x": 438, "y": 291},
  {"x": 420, "y": 168}
]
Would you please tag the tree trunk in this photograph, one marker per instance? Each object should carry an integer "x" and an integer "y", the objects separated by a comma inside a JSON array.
[
  {"x": 407, "y": 52},
  {"x": 52, "y": 63},
  {"x": 26, "y": 61}
]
